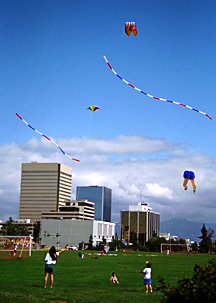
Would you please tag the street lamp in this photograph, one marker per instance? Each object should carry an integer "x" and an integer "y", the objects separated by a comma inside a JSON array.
[
  {"x": 170, "y": 225},
  {"x": 58, "y": 234}
]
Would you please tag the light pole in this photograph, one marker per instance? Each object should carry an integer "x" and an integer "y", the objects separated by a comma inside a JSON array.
[
  {"x": 170, "y": 225},
  {"x": 58, "y": 234}
]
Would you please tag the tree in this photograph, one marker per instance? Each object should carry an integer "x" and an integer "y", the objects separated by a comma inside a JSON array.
[
  {"x": 154, "y": 243},
  {"x": 199, "y": 288},
  {"x": 36, "y": 232},
  {"x": 182, "y": 241},
  {"x": 90, "y": 244},
  {"x": 104, "y": 242},
  {"x": 194, "y": 246},
  {"x": 12, "y": 229},
  {"x": 154, "y": 234},
  {"x": 206, "y": 244},
  {"x": 116, "y": 244},
  {"x": 7, "y": 229}
]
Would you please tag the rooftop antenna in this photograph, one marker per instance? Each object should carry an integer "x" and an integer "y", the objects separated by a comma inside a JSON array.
[{"x": 141, "y": 196}]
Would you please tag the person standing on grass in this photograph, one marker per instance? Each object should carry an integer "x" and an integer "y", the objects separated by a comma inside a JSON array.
[
  {"x": 147, "y": 276},
  {"x": 50, "y": 259},
  {"x": 15, "y": 249}
]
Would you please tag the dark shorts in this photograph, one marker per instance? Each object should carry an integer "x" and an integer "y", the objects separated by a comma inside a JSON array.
[
  {"x": 147, "y": 281},
  {"x": 189, "y": 175},
  {"x": 49, "y": 268}
]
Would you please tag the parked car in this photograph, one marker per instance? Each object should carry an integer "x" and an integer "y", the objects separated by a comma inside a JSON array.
[{"x": 72, "y": 247}]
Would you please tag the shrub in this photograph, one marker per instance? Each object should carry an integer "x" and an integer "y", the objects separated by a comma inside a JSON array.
[{"x": 200, "y": 288}]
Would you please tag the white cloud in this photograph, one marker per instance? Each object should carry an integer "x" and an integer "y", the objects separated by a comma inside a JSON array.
[
  {"x": 157, "y": 191},
  {"x": 135, "y": 167}
]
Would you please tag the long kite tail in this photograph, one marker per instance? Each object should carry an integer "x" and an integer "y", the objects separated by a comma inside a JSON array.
[
  {"x": 156, "y": 98},
  {"x": 46, "y": 138}
]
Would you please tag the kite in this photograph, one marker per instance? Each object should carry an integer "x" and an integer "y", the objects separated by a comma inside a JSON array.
[
  {"x": 130, "y": 27},
  {"x": 189, "y": 175},
  {"x": 46, "y": 138},
  {"x": 156, "y": 98},
  {"x": 93, "y": 108}
]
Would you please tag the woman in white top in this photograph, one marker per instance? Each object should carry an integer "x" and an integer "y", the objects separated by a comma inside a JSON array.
[{"x": 50, "y": 259}]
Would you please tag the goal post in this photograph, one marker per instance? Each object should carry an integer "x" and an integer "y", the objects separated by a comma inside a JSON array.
[
  {"x": 174, "y": 248},
  {"x": 15, "y": 246}
]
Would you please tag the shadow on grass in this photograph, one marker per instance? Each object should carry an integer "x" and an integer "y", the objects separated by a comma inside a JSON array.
[
  {"x": 37, "y": 286},
  {"x": 133, "y": 290}
]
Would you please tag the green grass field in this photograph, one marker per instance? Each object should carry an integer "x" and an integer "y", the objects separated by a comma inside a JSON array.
[{"x": 87, "y": 280}]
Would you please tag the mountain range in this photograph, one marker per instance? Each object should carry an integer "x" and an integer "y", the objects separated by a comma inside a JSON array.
[{"x": 185, "y": 229}]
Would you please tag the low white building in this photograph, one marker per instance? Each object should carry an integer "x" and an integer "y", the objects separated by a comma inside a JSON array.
[
  {"x": 17, "y": 220},
  {"x": 60, "y": 232},
  {"x": 165, "y": 235},
  {"x": 75, "y": 209},
  {"x": 144, "y": 207}
]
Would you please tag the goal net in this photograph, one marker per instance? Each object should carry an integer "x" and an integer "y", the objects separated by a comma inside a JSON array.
[
  {"x": 15, "y": 247},
  {"x": 174, "y": 248}
]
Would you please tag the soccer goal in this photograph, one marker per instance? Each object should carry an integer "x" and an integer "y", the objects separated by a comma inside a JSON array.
[
  {"x": 174, "y": 248},
  {"x": 15, "y": 247}
]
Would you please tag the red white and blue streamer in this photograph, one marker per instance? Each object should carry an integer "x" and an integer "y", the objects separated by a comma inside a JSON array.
[
  {"x": 156, "y": 98},
  {"x": 46, "y": 138}
]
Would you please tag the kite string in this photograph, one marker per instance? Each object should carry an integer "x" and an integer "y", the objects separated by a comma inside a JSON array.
[
  {"x": 90, "y": 123},
  {"x": 88, "y": 133},
  {"x": 119, "y": 264},
  {"x": 43, "y": 56},
  {"x": 84, "y": 144},
  {"x": 40, "y": 65},
  {"x": 75, "y": 71},
  {"x": 114, "y": 43}
]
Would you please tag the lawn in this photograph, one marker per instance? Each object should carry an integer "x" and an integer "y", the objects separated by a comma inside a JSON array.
[{"x": 87, "y": 280}]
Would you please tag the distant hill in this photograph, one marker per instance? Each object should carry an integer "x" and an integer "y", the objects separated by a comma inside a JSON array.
[{"x": 185, "y": 229}]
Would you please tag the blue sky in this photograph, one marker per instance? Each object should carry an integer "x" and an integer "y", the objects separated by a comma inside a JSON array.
[{"x": 52, "y": 70}]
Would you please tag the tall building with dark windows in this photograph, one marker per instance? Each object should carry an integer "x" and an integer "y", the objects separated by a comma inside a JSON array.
[
  {"x": 139, "y": 224},
  {"x": 44, "y": 187},
  {"x": 101, "y": 196}
]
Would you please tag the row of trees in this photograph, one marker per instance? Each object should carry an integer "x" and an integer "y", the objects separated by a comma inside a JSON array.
[
  {"x": 206, "y": 245},
  {"x": 10, "y": 228}
]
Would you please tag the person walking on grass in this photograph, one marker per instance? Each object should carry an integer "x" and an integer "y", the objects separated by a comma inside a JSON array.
[
  {"x": 147, "y": 276},
  {"x": 50, "y": 259}
]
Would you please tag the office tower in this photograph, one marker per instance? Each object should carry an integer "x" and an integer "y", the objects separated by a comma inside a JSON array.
[
  {"x": 44, "y": 187},
  {"x": 101, "y": 196},
  {"x": 139, "y": 223}
]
